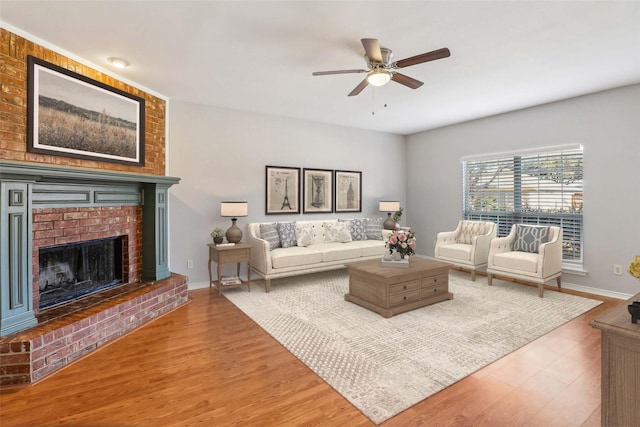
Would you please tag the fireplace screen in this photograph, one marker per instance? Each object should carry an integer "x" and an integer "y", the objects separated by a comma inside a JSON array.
[{"x": 73, "y": 270}]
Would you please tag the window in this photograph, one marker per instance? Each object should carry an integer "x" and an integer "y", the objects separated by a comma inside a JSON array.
[{"x": 543, "y": 187}]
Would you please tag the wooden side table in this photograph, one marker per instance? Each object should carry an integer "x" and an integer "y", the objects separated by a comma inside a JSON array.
[
  {"x": 620, "y": 370},
  {"x": 238, "y": 253}
]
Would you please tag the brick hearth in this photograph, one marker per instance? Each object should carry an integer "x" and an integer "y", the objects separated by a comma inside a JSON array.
[{"x": 67, "y": 333}]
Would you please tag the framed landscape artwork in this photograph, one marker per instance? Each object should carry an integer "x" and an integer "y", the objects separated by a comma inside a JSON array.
[
  {"x": 282, "y": 190},
  {"x": 318, "y": 190},
  {"x": 72, "y": 115},
  {"x": 348, "y": 191}
]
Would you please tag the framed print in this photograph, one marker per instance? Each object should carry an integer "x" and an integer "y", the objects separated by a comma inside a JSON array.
[
  {"x": 348, "y": 191},
  {"x": 318, "y": 190},
  {"x": 75, "y": 116},
  {"x": 282, "y": 190}
]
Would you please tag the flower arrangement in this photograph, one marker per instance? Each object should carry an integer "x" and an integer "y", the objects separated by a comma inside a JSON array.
[
  {"x": 634, "y": 267},
  {"x": 402, "y": 242}
]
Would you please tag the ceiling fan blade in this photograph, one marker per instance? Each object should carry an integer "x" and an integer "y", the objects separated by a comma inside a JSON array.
[
  {"x": 406, "y": 80},
  {"x": 372, "y": 48},
  {"x": 359, "y": 88},
  {"x": 326, "y": 73},
  {"x": 425, "y": 57}
]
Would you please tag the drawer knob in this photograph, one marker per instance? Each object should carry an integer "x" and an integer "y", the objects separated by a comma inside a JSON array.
[
  {"x": 435, "y": 290},
  {"x": 405, "y": 286},
  {"x": 405, "y": 298}
]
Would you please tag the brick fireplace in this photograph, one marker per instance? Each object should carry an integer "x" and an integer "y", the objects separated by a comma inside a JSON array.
[{"x": 44, "y": 206}]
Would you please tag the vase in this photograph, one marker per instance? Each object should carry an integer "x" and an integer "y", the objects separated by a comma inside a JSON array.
[{"x": 218, "y": 240}]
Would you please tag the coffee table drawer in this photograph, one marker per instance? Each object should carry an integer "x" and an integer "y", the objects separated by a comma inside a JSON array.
[
  {"x": 400, "y": 293},
  {"x": 396, "y": 299},
  {"x": 435, "y": 280}
]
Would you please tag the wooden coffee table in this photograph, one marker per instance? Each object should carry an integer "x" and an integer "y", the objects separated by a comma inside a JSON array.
[{"x": 389, "y": 291}]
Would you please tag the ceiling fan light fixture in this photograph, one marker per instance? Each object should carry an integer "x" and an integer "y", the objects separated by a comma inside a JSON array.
[{"x": 379, "y": 77}]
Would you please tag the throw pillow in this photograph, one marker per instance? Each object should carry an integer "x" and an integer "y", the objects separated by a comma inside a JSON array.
[
  {"x": 530, "y": 237},
  {"x": 269, "y": 232},
  {"x": 336, "y": 232},
  {"x": 357, "y": 228},
  {"x": 469, "y": 230},
  {"x": 304, "y": 234},
  {"x": 287, "y": 234},
  {"x": 373, "y": 228}
]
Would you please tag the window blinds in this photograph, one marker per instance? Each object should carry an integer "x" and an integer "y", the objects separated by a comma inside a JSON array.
[{"x": 542, "y": 188}]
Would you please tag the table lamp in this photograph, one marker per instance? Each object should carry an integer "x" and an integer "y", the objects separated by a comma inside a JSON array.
[
  {"x": 388, "y": 206},
  {"x": 234, "y": 210}
]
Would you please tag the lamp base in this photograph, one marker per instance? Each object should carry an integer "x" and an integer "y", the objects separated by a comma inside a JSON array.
[
  {"x": 388, "y": 223},
  {"x": 234, "y": 234}
]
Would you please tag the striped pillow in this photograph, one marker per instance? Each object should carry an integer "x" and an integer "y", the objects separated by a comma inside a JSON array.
[{"x": 269, "y": 232}]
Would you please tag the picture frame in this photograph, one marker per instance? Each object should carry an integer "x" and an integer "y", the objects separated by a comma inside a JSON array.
[
  {"x": 72, "y": 115},
  {"x": 348, "y": 191},
  {"x": 318, "y": 190},
  {"x": 282, "y": 190}
]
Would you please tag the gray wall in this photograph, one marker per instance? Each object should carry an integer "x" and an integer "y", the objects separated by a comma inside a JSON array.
[
  {"x": 221, "y": 154},
  {"x": 607, "y": 124}
]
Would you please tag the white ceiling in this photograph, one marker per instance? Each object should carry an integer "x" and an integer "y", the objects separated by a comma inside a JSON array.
[{"x": 259, "y": 55}]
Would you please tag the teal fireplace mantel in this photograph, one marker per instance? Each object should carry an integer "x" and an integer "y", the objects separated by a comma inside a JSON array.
[{"x": 27, "y": 186}]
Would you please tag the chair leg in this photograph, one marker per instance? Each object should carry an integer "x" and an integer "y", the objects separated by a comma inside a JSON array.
[
  {"x": 490, "y": 279},
  {"x": 558, "y": 279},
  {"x": 473, "y": 275},
  {"x": 267, "y": 285},
  {"x": 540, "y": 289}
]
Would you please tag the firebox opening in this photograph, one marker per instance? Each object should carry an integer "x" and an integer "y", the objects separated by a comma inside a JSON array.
[{"x": 73, "y": 270}]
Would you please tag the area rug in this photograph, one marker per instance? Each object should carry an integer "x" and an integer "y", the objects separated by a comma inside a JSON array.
[{"x": 384, "y": 366}]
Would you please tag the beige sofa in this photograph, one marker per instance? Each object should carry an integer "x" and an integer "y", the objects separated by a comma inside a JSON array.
[{"x": 314, "y": 256}]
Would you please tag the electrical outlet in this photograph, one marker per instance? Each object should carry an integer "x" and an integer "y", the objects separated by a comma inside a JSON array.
[
  {"x": 190, "y": 263},
  {"x": 617, "y": 270}
]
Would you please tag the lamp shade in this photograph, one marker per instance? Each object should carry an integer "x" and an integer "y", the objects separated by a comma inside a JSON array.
[
  {"x": 234, "y": 209},
  {"x": 388, "y": 206}
]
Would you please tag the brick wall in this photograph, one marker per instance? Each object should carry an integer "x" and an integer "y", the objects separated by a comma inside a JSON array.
[
  {"x": 56, "y": 226},
  {"x": 13, "y": 109}
]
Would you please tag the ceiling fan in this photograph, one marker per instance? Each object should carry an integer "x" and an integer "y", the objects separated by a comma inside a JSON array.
[{"x": 381, "y": 69}]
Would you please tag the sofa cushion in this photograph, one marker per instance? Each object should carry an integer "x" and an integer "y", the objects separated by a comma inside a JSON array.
[
  {"x": 455, "y": 251},
  {"x": 469, "y": 230},
  {"x": 356, "y": 228},
  {"x": 287, "y": 234},
  {"x": 530, "y": 237},
  {"x": 516, "y": 261},
  {"x": 336, "y": 232},
  {"x": 369, "y": 247},
  {"x": 269, "y": 232},
  {"x": 294, "y": 256},
  {"x": 338, "y": 251},
  {"x": 304, "y": 234},
  {"x": 373, "y": 228}
]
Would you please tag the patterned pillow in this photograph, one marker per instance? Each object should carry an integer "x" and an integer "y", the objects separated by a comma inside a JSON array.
[
  {"x": 356, "y": 228},
  {"x": 287, "y": 233},
  {"x": 530, "y": 237},
  {"x": 373, "y": 228},
  {"x": 304, "y": 234},
  {"x": 336, "y": 232},
  {"x": 469, "y": 230},
  {"x": 269, "y": 232}
]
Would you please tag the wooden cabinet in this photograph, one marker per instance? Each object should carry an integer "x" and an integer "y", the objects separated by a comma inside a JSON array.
[{"x": 620, "y": 366}]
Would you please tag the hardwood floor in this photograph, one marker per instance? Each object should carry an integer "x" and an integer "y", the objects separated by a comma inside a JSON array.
[{"x": 207, "y": 363}]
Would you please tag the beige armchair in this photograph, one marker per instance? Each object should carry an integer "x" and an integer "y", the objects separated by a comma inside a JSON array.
[
  {"x": 467, "y": 246},
  {"x": 529, "y": 253}
]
